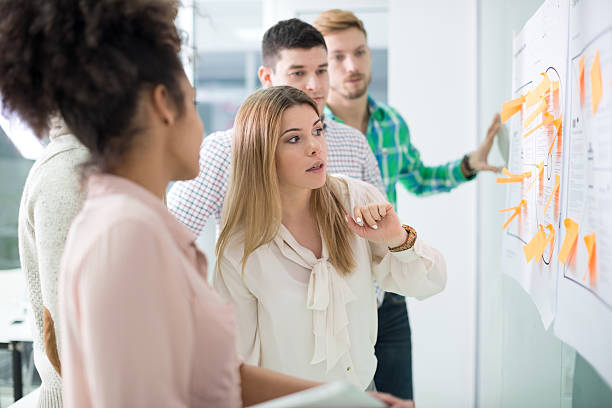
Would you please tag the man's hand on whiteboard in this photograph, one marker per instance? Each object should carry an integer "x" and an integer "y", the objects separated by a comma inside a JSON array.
[
  {"x": 477, "y": 160},
  {"x": 391, "y": 401}
]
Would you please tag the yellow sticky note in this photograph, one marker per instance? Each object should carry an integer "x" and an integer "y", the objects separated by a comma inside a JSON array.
[
  {"x": 581, "y": 79},
  {"x": 541, "y": 108},
  {"x": 596, "y": 88},
  {"x": 554, "y": 190},
  {"x": 536, "y": 94},
  {"x": 569, "y": 242},
  {"x": 510, "y": 108},
  {"x": 537, "y": 243}
]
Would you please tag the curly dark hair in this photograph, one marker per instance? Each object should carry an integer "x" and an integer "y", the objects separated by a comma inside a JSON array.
[
  {"x": 88, "y": 61},
  {"x": 288, "y": 34}
]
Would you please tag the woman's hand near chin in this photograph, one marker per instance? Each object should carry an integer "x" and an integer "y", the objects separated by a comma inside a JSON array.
[{"x": 378, "y": 223}]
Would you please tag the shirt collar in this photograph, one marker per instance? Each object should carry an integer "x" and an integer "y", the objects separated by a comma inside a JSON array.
[
  {"x": 103, "y": 184},
  {"x": 376, "y": 111}
]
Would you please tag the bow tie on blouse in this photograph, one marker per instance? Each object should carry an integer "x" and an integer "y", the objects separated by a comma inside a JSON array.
[{"x": 328, "y": 295}]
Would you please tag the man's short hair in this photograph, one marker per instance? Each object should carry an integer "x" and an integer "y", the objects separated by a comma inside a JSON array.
[
  {"x": 288, "y": 34},
  {"x": 338, "y": 20}
]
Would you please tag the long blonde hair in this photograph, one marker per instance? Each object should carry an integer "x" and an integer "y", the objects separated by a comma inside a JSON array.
[{"x": 253, "y": 199}]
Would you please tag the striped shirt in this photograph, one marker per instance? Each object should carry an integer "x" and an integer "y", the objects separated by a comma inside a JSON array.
[
  {"x": 193, "y": 202},
  {"x": 399, "y": 161}
]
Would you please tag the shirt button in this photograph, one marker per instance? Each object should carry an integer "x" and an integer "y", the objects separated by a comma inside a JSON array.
[{"x": 385, "y": 150}]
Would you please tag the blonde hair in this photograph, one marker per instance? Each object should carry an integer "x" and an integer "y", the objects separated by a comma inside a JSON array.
[
  {"x": 253, "y": 199},
  {"x": 338, "y": 20}
]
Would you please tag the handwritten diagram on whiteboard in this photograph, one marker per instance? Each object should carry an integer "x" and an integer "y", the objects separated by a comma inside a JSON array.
[{"x": 535, "y": 167}]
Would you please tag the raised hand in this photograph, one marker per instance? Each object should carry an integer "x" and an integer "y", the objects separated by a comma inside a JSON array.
[
  {"x": 478, "y": 159},
  {"x": 378, "y": 223}
]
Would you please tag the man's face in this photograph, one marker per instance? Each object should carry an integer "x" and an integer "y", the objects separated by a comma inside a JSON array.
[
  {"x": 350, "y": 62},
  {"x": 304, "y": 69}
]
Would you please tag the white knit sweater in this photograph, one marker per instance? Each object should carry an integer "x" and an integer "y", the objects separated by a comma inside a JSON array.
[{"x": 52, "y": 197}]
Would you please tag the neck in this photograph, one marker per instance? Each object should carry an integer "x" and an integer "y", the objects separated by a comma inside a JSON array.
[
  {"x": 353, "y": 112},
  {"x": 295, "y": 205},
  {"x": 146, "y": 170}
]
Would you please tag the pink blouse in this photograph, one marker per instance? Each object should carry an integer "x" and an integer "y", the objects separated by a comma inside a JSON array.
[{"x": 140, "y": 327}]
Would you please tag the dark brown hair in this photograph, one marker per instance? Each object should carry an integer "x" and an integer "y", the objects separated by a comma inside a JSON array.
[
  {"x": 88, "y": 61},
  {"x": 286, "y": 35}
]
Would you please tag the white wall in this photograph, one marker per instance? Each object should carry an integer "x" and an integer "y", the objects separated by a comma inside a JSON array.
[{"x": 432, "y": 82}]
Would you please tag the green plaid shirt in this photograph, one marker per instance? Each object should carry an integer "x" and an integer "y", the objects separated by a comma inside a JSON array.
[{"x": 398, "y": 160}]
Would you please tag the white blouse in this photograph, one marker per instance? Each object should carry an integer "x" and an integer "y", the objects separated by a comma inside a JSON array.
[{"x": 297, "y": 315}]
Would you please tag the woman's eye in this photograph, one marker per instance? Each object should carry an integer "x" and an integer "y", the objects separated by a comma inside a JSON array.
[
  {"x": 293, "y": 139},
  {"x": 317, "y": 131},
  {"x": 297, "y": 74}
]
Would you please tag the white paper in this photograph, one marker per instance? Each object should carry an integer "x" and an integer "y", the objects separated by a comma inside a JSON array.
[
  {"x": 333, "y": 395},
  {"x": 584, "y": 306},
  {"x": 540, "y": 47}
]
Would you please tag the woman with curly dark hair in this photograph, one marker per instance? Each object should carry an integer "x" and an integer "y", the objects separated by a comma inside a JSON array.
[{"x": 139, "y": 325}]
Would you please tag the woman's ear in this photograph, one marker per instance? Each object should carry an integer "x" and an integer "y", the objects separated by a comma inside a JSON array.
[{"x": 163, "y": 107}]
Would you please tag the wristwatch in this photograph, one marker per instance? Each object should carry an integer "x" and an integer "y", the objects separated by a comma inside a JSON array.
[{"x": 410, "y": 240}]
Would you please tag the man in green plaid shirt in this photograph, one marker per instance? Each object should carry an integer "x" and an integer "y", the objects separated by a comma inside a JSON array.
[{"x": 399, "y": 161}]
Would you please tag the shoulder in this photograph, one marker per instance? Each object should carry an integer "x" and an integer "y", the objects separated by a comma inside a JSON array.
[
  {"x": 58, "y": 176},
  {"x": 353, "y": 192},
  {"x": 389, "y": 113},
  {"x": 220, "y": 142},
  {"x": 333, "y": 128}
]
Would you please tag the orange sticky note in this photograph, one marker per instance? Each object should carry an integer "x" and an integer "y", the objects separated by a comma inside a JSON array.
[
  {"x": 550, "y": 239},
  {"x": 541, "y": 108},
  {"x": 596, "y": 88},
  {"x": 555, "y": 86},
  {"x": 589, "y": 241},
  {"x": 507, "y": 173},
  {"x": 516, "y": 210},
  {"x": 547, "y": 119},
  {"x": 581, "y": 79},
  {"x": 536, "y": 94},
  {"x": 540, "y": 170},
  {"x": 512, "y": 178},
  {"x": 552, "y": 193},
  {"x": 558, "y": 123},
  {"x": 510, "y": 108},
  {"x": 569, "y": 242},
  {"x": 536, "y": 245}
]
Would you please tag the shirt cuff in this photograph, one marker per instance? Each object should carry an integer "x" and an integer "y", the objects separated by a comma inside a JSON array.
[
  {"x": 419, "y": 250},
  {"x": 458, "y": 174}
]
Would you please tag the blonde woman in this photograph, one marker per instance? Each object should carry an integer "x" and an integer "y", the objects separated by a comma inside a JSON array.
[{"x": 299, "y": 249}]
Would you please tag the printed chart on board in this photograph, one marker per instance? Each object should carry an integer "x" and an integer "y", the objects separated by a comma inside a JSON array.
[
  {"x": 584, "y": 309},
  {"x": 535, "y": 168}
]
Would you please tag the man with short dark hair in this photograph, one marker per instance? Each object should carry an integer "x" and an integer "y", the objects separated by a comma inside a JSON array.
[{"x": 294, "y": 54}]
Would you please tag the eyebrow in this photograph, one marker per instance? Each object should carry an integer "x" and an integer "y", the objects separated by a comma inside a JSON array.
[
  {"x": 298, "y": 129},
  {"x": 303, "y": 66},
  {"x": 362, "y": 46}
]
